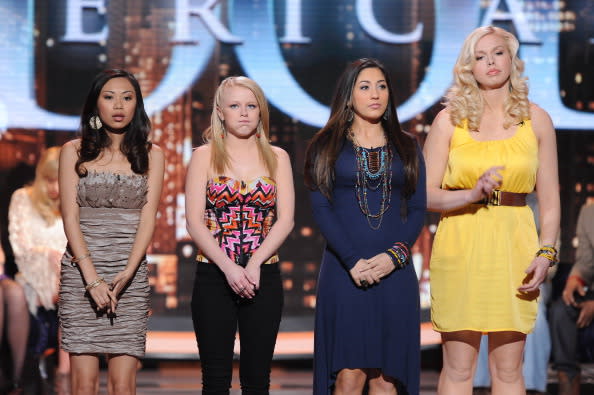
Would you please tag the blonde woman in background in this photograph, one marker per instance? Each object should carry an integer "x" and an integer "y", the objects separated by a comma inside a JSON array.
[
  {"x": 485, "y": 152},
  {"x": 38, "y": 241}
]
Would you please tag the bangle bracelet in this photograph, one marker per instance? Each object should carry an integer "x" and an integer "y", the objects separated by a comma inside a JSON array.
[
  {"x": 548, "y": 252},
  {"x": 94, "y": 284},
  {"x": 399, "y": 254},
  {"x": 76, "y": 260}
]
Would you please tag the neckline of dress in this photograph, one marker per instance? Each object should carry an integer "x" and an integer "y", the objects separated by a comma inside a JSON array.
[
  {"x": 355, "y": 146},
  {"x": 245, "y": 182},
  {"x": 114, "y": 173},
  {"x": 520, "y": 126}
]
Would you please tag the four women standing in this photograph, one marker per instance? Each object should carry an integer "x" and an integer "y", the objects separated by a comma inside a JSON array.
[{"x": 486, "y": 150}]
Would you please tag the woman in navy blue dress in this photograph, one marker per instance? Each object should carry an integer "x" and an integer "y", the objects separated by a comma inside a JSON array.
[{"x": 368, "y": 197}]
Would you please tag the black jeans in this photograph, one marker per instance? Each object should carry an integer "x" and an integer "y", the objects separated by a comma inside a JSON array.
[
  {"x": 565, "y": 336},
  {"x": 217, "y": 313}
]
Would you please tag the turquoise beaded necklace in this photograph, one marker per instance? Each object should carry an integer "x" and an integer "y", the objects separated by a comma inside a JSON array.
[{"x": 374, "y": 171}]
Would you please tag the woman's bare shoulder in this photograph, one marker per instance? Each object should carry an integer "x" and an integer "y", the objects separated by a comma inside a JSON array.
[
  {"x": 73, "y": 144},
  {"x": 279, "y": 152}
]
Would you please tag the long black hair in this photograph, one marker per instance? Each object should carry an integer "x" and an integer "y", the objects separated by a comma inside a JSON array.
[
  {"x": 135, "y": 144},
  {"x": 324, "y": 147}
]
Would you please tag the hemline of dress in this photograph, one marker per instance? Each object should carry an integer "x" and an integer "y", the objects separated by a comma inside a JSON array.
[
  {"x": 482, "y": 330},
  {"x": 109, "y": 352}
]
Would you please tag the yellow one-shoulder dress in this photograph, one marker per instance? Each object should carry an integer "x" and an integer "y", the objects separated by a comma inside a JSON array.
[{"x": 480, "y": 252}]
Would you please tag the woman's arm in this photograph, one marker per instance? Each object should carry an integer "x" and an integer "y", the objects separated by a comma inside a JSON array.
[
  {"x": 417, "y": 205},
  {"x": 196, "y": 180},
  {"x": 385, "y": 262},
  {"x": 285, "y": 210},
  {"x": 68, "y": 180},
  {"x": 146, "y": 225},
  {"x": 547, "y": 192},
  {"x": 338, "y": 241},
  {"x": 547, "y": 176},
  {"x": 331, "y": 229},
  {"x": 436, "y": 151}
]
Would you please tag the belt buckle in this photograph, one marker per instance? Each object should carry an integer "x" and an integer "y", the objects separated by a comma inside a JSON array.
[{"x": 495, "y": 198}]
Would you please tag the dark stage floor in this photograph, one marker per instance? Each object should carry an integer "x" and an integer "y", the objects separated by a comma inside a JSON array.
[{"x": 289, "y": 377}]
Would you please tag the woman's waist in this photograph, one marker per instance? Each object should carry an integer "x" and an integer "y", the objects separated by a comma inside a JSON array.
[
  {"x": 114, "y": 218},
  {"x": 246, "y": 231},
  {"x": 108, "y": 212},
  {"x": 241, "y": 258},
  {"x": 485, "y": 210}
]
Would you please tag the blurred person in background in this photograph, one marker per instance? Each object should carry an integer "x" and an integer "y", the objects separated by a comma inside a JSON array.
[
  {"x": 14, "y": 322},
  {"x": 38, "y": 241},
  {"x": 572, "y": 315}
]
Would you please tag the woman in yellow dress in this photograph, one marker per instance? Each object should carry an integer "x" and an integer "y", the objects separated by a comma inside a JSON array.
[{"x": 486, "y": 150}]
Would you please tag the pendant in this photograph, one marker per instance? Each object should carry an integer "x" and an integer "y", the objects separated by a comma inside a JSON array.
[{"x": 373, "y": 161}]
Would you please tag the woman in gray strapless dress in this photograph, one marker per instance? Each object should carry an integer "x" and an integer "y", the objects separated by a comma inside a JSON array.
[{"x": 110, "y": 184}]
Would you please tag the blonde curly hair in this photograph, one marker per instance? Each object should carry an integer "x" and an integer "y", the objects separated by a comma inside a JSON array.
[{"x": 464, "y": 101}]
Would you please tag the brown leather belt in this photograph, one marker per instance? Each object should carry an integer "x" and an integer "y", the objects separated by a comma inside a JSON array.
[{"x": 503, "y": 198}]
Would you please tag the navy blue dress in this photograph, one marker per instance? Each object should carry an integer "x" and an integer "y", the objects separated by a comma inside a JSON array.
[{"x": 377, "y": 327}]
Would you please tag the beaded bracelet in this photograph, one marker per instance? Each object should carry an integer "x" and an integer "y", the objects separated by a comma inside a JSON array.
[
  {"x": 399, "y": 253},
  {"x": 94, "y": 284},
  {"x": 549, "y": 252}
]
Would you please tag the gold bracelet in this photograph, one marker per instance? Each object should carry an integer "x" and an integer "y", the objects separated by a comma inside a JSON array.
[
  {"x": 82, "y": 258},
  {"x": 94, "y": 284}
]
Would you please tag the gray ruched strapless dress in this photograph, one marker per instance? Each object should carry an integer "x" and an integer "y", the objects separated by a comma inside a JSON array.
[{"x": 110, "y": 206}]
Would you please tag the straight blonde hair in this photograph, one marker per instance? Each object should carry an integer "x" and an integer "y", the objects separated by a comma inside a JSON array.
[
  {"x": 47, "y": 167},
  {"x": 214, "y": 135},
  {"x": 464, "y": 101}
]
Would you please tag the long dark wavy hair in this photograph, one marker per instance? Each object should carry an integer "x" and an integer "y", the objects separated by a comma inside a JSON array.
[
  {"x": 135, "y": 144},
  {"x": 326, "y": 144}
]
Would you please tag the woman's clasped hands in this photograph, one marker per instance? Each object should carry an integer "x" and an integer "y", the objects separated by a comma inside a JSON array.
[
  {"x": 367, "y": 272},
  {"x": 104, "y": 297},
  {"x": 241, "y": 281}
]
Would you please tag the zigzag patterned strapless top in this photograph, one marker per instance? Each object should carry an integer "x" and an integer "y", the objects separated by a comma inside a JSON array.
[{"x": 239, "y": 215}]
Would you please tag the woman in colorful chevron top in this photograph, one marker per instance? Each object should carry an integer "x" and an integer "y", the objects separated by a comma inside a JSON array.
[{"x": 239, "y": 210}]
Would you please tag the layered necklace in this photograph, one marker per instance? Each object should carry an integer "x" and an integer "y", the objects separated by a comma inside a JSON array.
[{"x": 374, "y": 172}]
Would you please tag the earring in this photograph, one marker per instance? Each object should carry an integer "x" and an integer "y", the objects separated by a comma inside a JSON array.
[
  {"x": 385, "y": 116},
  {"x": 95, "y": 122},
  {"x": 223, "y": 135},
  {"x": 258, "y": 134},
  {"x": 350, "y": 115}
]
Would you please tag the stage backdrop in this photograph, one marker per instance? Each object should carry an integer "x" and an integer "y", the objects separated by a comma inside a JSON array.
[{"x": 295, "y": 49}]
